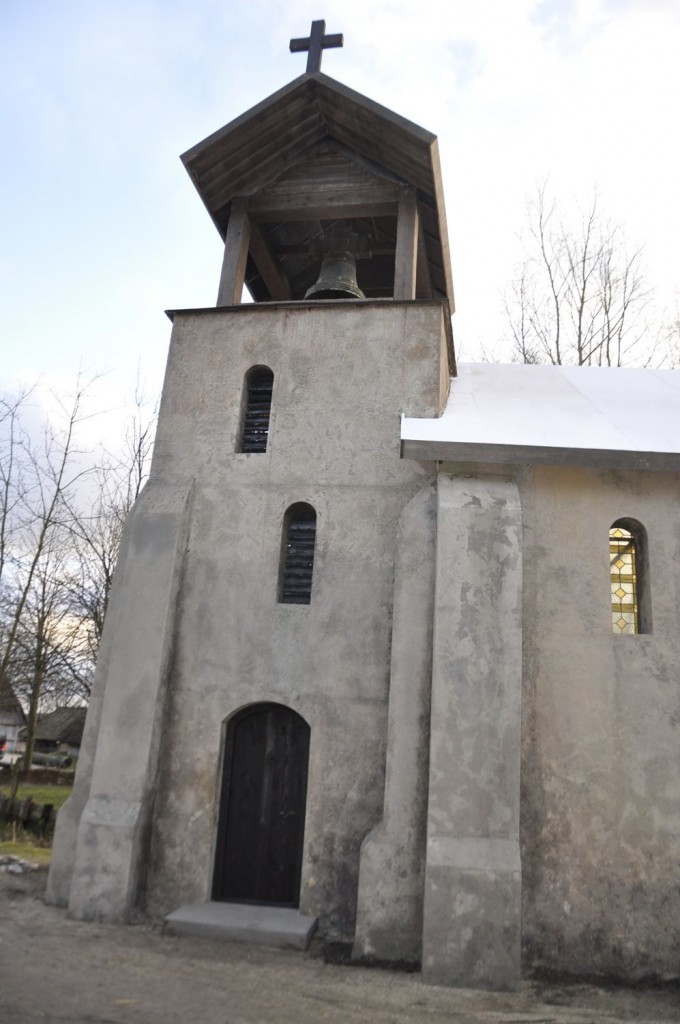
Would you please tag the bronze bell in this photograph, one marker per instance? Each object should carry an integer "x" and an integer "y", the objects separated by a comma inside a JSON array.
[{"x": 337, "y": 278}]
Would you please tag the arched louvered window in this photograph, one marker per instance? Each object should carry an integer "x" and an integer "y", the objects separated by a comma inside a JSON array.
[
  {"x": 297, "y": 555},
  {"x": 629, "y": 575},
  {"x": 257, "y": 404}
]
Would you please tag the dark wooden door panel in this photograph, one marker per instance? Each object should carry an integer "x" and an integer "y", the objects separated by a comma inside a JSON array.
[{"x": 262, "y": 816}]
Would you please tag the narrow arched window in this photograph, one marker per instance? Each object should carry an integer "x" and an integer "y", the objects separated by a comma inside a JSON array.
[
  {"x": 297, "y": 554},
  {"x": 629, "y": 575},
  {"x": 257, "y": 404}
]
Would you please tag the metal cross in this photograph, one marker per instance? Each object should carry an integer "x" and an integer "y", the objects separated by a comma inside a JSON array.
[{"x": 315, "y": 44}]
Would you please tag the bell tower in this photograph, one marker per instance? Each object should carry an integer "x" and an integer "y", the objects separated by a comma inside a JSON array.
[
  {"x": 269, "y": 636},
  {"x": 318, "y": 171}
]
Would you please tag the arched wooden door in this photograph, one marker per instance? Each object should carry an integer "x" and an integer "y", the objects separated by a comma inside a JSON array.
[{"x": 262, "y": 811}]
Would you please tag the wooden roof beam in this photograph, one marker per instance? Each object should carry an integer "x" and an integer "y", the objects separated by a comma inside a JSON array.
[
  {"x": 269, "y": 270},
  {"x": 339, "y": 205}
]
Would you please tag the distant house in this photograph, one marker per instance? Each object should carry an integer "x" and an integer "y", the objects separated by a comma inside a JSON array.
[
  {"x": 60, "y": 731},
  {"x": 12, "y": 719}
]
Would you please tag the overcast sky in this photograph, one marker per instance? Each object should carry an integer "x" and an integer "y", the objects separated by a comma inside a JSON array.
[{"x": 101, "y": 227}]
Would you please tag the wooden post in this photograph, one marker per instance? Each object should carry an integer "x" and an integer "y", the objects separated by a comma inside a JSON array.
[
  {"x": 423, "y": 279},
  {"x": 405, "y": 261},
  {"x": 235, "y": 255}
]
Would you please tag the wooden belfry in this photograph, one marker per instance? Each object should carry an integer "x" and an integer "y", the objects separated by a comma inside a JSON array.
[{"x": 314, "y": 163}]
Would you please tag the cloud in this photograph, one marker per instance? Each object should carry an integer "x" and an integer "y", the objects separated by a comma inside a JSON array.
[{"x": 102, "y": 228}]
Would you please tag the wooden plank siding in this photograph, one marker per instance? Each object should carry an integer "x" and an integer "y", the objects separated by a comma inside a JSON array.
[
  {"x": 396, "y": 150},
  {"x": 252, "y": 150},
  {"x": 240, "y": 179},
  {"x": 326, "y": 184},
  {"x": 408, "y": 166},
  {"x": 365, "y": 163},
  {"x": 328, "y": 168}
]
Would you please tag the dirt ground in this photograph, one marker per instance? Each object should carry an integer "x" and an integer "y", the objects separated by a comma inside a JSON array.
[{"x": 57, "y": 971}]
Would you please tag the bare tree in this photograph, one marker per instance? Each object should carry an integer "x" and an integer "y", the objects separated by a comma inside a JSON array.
[
  {"x": 11, "y": 436},
  {"x": 673, "y": 337},
  {"x": 40, "y": 480},
  {"x": 97, "y": 528},
  {"x": 62, "y": 512},
  {"x": 580, "y": 295},
  {"x": 46, "y": 653}
]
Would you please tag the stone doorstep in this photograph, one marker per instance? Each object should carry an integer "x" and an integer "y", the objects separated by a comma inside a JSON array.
[{"x": 241, "y": 922}]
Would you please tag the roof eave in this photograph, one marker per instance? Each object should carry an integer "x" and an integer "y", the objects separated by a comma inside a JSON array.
[
  {"x": 422, "y": 134},
  {"x": 510, "y": 455}
]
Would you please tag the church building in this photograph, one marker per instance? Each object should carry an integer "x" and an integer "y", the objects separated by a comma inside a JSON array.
[{"x": 393, "y": 647}]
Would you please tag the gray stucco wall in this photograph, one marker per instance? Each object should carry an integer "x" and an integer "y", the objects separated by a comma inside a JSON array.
[
  {"x": 343, "y": 373},
  {"x": 472, "y": 906},
  {"x": 195, "y": 633},
  {"x": 600, "y": 816},
  {"x": 102, "y": 841},
  {"x": 390, "y": 904}
]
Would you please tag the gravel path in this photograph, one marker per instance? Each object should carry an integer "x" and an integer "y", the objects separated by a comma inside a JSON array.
[{"x": 57, "y": 971}]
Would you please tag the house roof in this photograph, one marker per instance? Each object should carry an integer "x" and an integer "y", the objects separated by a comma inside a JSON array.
[
  {"x": 571, "y": 415},
  {"x": 11, "y": 712},
  {"x": 64, "y": 725},
  {"x": 312, "y": 153}
]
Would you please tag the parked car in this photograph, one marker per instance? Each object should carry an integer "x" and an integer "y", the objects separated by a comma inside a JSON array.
[{"x": 53, "y": 760}]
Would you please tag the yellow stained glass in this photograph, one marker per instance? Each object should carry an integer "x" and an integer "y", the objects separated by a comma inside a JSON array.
[{"x": 623, "y": 580}]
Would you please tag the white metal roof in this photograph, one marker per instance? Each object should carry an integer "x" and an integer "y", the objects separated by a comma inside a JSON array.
[{"x": 600, "y": 416}]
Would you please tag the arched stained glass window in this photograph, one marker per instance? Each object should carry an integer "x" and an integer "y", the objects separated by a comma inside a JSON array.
[
  {"x": 631, "y": 605},
  {"x": 297, "y": 555},
  {"x": 623, "y": 569},
  {"x": 257, "y": 403}
]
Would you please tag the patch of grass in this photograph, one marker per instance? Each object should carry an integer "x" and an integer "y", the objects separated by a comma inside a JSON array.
[
  {"x": 55, "y": 795},
  {"x": 26, "y": 850}
]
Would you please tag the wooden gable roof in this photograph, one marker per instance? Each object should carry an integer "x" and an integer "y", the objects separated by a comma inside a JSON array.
[
  {"x": 63, "y": 725},
  {"x": 317, "y": 157}
]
